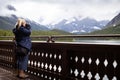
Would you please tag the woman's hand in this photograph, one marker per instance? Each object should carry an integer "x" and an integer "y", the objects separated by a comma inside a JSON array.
[{"x": 24, "y": 23}]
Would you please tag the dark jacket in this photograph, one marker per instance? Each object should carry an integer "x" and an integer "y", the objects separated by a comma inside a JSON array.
[{"x": 22, "y": 37}]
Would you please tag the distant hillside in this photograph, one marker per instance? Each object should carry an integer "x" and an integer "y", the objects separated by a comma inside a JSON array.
[
  {"x": 7, "y": 23},
  {"x": 36, "y": 33},
  {"x": 51, "y": 32},
  {"x": 113, "y": 27},
  {"x": 109, "y": 30},
  {"x": 115, "y": 21}
]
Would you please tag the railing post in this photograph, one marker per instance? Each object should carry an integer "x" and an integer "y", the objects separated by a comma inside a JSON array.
[
  {"x": 65, "y": 65},
  {"x": 14, "y": 56}
]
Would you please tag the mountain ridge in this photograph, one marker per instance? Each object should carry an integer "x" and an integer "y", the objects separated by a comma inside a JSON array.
[
  {"x": 113, "y": 27},
  {"x": 8, "y": 23},
  {"x": 79, "y": 26},
  {"x": 115, "y": 21}
]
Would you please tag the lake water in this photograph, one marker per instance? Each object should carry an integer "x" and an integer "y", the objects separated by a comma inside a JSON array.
[{"x": 114, "y": 42}]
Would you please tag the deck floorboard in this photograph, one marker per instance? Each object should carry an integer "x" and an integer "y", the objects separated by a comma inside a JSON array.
[{"x": 9, "y": 74}]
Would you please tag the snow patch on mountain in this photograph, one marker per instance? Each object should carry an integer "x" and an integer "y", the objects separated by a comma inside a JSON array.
[
  {"x": 82, "y": 25},
  {"x": 97, "y": 28}
]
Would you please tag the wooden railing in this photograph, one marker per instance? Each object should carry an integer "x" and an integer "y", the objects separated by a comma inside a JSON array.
[
  {"x": 53, "y": 38},
  {"x": 68, "y": 61}
]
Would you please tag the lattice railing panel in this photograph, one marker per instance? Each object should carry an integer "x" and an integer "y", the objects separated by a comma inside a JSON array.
[
  {"x": 46, "y": 62},
  {"x": 100, "y": 63}
]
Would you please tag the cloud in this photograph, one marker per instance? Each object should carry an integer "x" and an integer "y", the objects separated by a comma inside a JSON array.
[
  {"x": 53, "y": 11},
  {"x": 10, "y": 7},
  {"x": 5, "y": 8}
]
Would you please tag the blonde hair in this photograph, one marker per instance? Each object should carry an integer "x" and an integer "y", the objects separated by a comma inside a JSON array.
[{"x": 20, "y": 22}]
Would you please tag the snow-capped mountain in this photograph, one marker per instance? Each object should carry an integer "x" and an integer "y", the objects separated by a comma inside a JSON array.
[
  {"x": 85, "y": 25},
  {"x": 73, "y": 25}
]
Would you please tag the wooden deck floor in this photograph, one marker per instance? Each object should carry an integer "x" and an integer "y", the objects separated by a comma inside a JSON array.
[{"x": 9, "y": 74}]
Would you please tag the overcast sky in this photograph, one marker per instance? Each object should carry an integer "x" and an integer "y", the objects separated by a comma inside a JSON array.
[{"x": 53, "y": 11}]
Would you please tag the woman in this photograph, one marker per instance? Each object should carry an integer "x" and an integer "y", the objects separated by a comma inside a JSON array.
[{"x": 22, "y": 38}]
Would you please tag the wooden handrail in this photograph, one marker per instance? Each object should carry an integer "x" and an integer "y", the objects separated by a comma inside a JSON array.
[
  {"x": 69, "y": 36},
  {"x": 78, "y": 36},
  {"x": 50, "y": 38}
]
